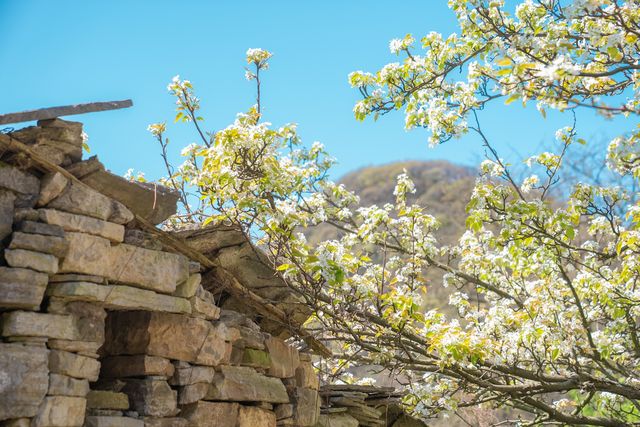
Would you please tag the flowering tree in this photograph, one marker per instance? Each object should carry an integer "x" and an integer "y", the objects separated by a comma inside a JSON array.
[{"x": 556, "y": 334}]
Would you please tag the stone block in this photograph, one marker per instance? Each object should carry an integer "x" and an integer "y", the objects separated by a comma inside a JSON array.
[
  {"x": 33, "y": 227},
  {"x": 306, "y": 376},
  {"x": 185, "y": 375},
  {"x": 60, "y": 411},
  {"x": 23, "y": 379},
  {"x": 118, "y": 297},
  {"x": 7, "y": 208},
  {"x": 165, "y": 422},
  {"x": 51, "y": 186},
  {"x": 112, "y": 421},
  {"x": 73, "y": 277},
  {"x": 151, "y": 397},
  {"x": 83, "y": 224},
  {"x": 135, "y": 366},
  {"x": 284, "y": 410},
  {"x": 73, "y": 365},
  {"x": 203, "y": 308},
  {"x": 18, "y": 181},
  {"x": 251, "y": 416},
  {"x": 142, "y": 239},
  {"x": 105, "y": 399},
  {"x": 202, "y": 413},
  {"x": 21, "y": 258},
  {"x": 255, "y": 358},
  {"x": 84, "y": 347},
  {"x": 30, "y": 324},
  {"x": 284, "y": 359},
  {"x": 86, "y": 254},
  {"x": 155, "y": 270},
  {"x": 188, "y": 288},
  {"x": 82, "y": 200},
  {"x": 62, "y": 385},
  {"x": 242, "y": 384},
  {"x": 192, "y": 393},
  {"x": 306, "y": 407},
  {"x": 166, "y": 335},
  {"x": 56, "y": 246},
  {"x": 337, "y": 420},
  {"x": 21, "y": 288}
]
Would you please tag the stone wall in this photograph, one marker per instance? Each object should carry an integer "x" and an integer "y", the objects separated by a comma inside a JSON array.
[{"x": 100, "y": 325}]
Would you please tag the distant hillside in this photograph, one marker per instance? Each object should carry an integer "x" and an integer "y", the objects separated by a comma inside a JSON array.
[{"x": 442, "y": 188}]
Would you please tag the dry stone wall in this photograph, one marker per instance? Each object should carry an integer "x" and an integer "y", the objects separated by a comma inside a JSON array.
[{"x": 100, "y": 326}]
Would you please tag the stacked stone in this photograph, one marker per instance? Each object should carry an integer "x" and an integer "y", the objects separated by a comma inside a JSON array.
[{"x": 101, "y": 326}]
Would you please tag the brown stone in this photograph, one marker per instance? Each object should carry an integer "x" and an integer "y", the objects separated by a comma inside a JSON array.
[
  {"x": 17, "y": 422},
  {"x": 185, "y": 375},
  {"x": 56, "y": 246},
  {"x": 242, "y": 384},
  {"x": 30, "y": 324},
  {"x": 21, "y": 258},
  {"x": 83, "y": 224},
  {"x": 60, "y": 411},
  {"x": 307, "y": 407},
  {"x": 203, "y": 308},
  {"x": 21, "y": 288},
  {"x": 75, "y": 346},
  {"x": 337, "y": 420},
  {"x": 51, "y": 185},
  {"x": 284, "y": 410},
  {"x": 135, "y": 366},
  {"x": 151, "y": 397},
  {"x": 188, "y": 288},
  {"x": 166, "y": 335},
  {"x": 23, "y": 379},
  {"x": 306, "y": 376},
  {"x": 203, "y": 413},
  {"x": 251, "y": 416},
  {"x": 62, "y": 385},
  {"x": 73, "y": 365},
  {"x": 284, "y": 359},
  {"x": 105, "y": 399},
  {"x": 165, "y": 422},
  {"x": 155, "y": 270}
]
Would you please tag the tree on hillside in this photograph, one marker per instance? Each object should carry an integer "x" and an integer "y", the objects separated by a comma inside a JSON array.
[{"x": 557, "y": 336}]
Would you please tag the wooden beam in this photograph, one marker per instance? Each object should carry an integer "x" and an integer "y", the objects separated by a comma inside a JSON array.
[{"x": 66, "y": 110}]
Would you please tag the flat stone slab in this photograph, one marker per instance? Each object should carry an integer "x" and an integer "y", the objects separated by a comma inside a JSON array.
[
  {"x": 136, "y": 366},
  {"x": 23, "y": 379},
  {"x": 83, "y": 224},
  {"x": 31, "y": 324},
  {"x": 21, "y": 288},
  {"x": 242, "y": 384}
]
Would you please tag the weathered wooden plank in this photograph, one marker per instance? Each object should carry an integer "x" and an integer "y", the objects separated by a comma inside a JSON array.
[{"x": 66, "y": 110}]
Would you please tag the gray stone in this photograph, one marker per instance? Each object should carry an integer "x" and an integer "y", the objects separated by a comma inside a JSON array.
[
  {"x": 251, "y": 416},
  {"x": 118, "y": 297},
  {"x": 62, "y": 385},
  {"x": 51, "y": 185},
  {"x": 172, "y": 336},
  {"x": 84, "y": 347},
  {"x": 72, "y": 277},
  {"x": 142, "y": 239},
  {"x": 307, "y": 407},
  {"x": 21, "y": 288},
  {"x": 83, "y": 224},
  {"x": 204, "y": 309},
  {"x": 73, "y": 365},
  {"x": 32, "y": 227},
  {"x": 155, "y": 270},
  {"x": 165, "y": 422},
  {"x": 21, "y": 258},
  {"x": 86, "y": 255},
  {"x": 60, "y": 411},
  {"x": 25, "y": 214},
  {"x": 191, "y": 374},
  {"x": 136, "y": 366},
  {"x": 23, "y": 379},
  {"x": 202, "y": 413},
  {"x": 30, "y": 324},
  {"x": 56, "y": 246},
  {"x": 242, "y": 384},
  {"x": 18, "y": 181},
  {"x": 111, "y": 421},
  {"x": 306, "y": 376},
  {"x": 7, "y": 200},
  {"x": 192, "y": 393},
  {"x": 151, "y": 397},
  {"x": 83, "y": 200},
  {"x": 284, "y": 410},
  {"x": 284, "y": 358}
]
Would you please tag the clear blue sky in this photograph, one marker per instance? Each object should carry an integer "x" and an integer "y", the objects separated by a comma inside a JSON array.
[{"x": 66, "y": 52}]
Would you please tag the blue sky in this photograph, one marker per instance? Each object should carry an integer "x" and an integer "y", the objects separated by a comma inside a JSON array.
[{"x": 66, "y": 52}]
